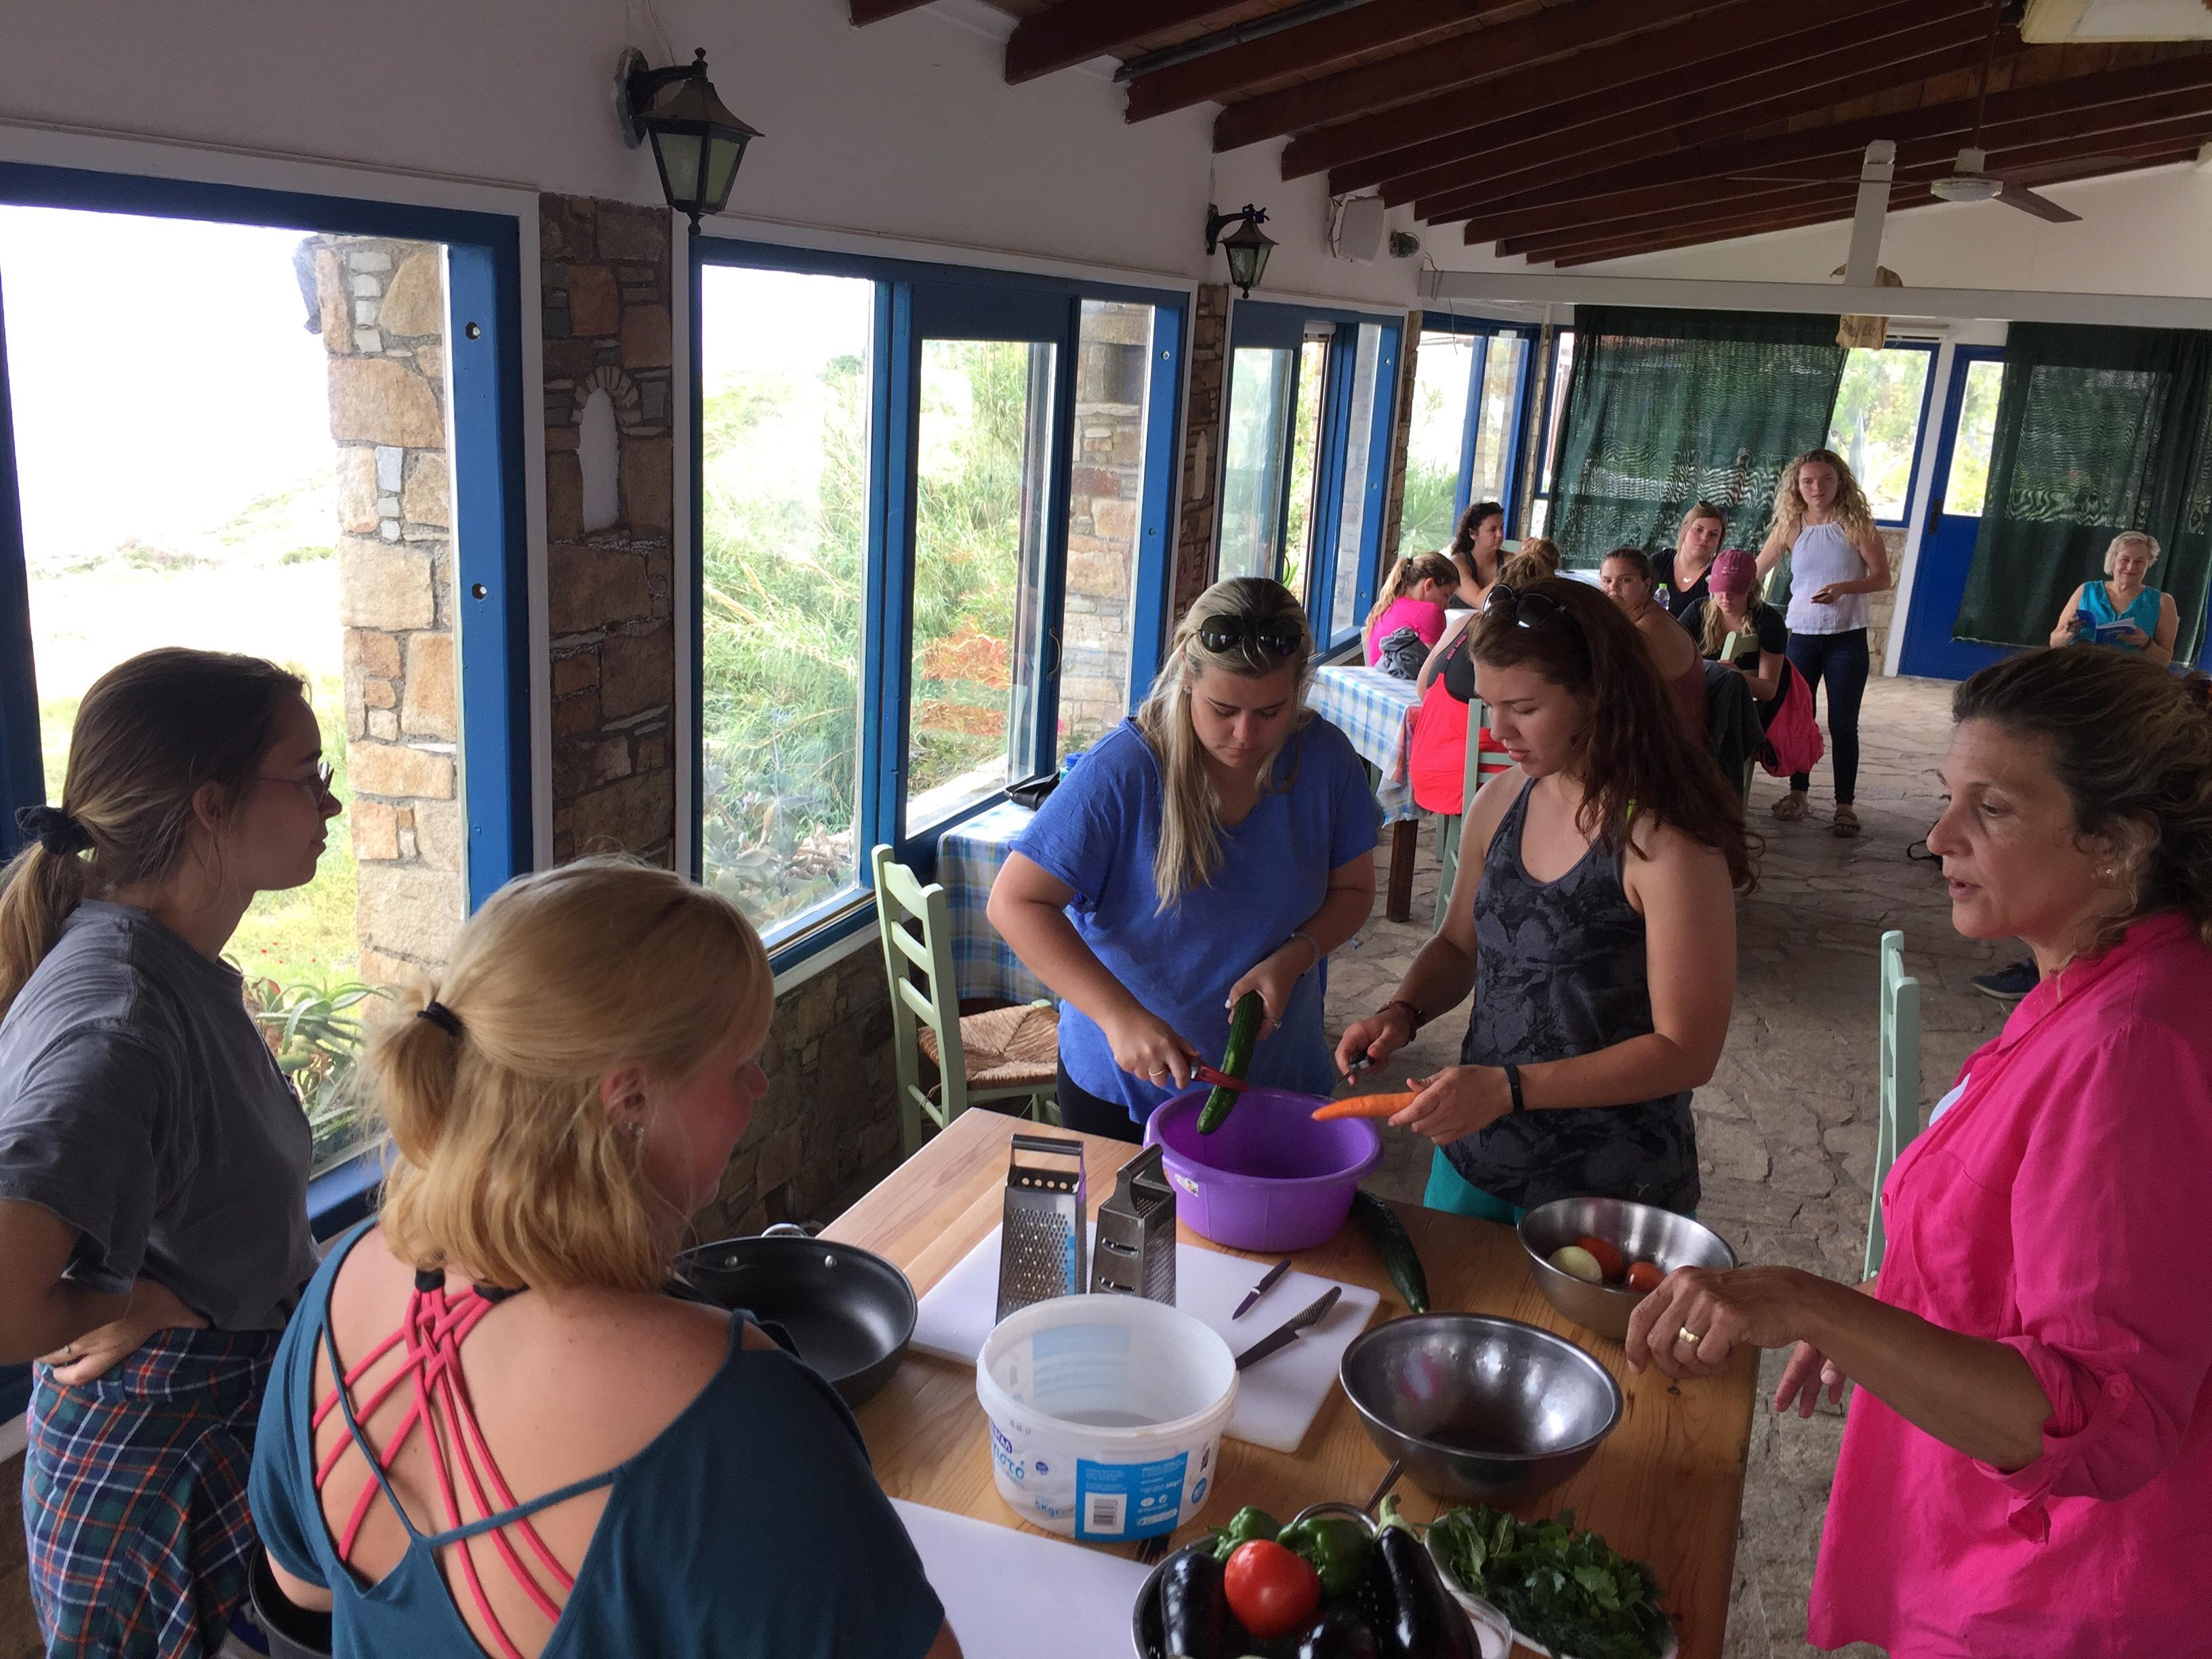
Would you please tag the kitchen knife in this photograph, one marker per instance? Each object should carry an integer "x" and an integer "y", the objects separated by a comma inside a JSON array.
[
  {"x": 1288, "y": 1332},
  {"x": 1267, "y": 1283}
]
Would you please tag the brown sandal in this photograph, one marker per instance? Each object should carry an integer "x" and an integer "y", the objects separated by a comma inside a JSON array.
[
  {"x": 1793, "y": 806},
  {"x": 1847, "y": 821}
]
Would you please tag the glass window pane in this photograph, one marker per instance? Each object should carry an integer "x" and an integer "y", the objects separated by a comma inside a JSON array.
[
  {"x": 1493, "y": 440},
  {"x": 1434, "y": 441},
  {"x": 1969, "y": 478},
  {"x": 1876, "y": 422},
  {"x": 1252, "y": 460},
  {"x": 982, "y": 452},
  {"x": 1305, "y": 447},
  {"x": 1563, "y": 372},
  {"x": 1105, "y": 512},
  {"x": 784, "y": 367},
  {"x": 285, "y": 492},
  {"x": 1352, "y": 522}
]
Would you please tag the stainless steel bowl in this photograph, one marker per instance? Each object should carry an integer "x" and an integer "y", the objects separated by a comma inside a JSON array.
[
  {"x": 1639, "y": 1231},
  {"x": 1487, "y": 1409}
]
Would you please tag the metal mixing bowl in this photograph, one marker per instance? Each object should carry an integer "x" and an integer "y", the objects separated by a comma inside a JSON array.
[
  {"x": 1481, "y": 1409},
  {"x": 1639, "y": 1231}
]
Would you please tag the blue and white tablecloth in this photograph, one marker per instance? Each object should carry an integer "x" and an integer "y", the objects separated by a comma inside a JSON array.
[
  {"x": 968, "y": 860},
  {"x": 1376, "y": 711}
]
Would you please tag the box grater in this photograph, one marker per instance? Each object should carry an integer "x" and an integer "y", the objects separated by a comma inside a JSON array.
[
  {"x": 1042, "y": 1240},
  {"x": 1135, "y": 1254}
]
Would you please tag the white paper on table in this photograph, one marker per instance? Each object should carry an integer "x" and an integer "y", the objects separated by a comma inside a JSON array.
[{"x": 1012, "y": 1594}]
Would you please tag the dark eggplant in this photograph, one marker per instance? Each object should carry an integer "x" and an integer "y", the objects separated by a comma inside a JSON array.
[
  {"x": 1194, "y": 1622},
  {"x": 1420, "y": 1620},
  {"x": 1338, "y": 1634}
]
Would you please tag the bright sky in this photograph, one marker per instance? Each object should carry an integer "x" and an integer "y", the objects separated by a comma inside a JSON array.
[{"x": 160, "y": 376}]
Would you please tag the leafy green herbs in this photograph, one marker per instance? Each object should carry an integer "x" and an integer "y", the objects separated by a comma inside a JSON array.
[{"x": 1569, "y": 1590}]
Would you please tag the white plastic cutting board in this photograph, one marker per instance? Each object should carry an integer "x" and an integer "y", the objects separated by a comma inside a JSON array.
[
  {"x": 1276, "y": 1399},
  {"x": 1004, "y": 1590}
]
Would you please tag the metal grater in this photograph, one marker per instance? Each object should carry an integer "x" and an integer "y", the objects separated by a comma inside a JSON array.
[
  {"x": 1043, "y": 1242},
  {"x": 1135, "y": 1254}
]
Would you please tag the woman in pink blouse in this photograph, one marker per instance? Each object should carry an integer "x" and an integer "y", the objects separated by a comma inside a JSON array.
[{"x": 2026, "y": 1469}]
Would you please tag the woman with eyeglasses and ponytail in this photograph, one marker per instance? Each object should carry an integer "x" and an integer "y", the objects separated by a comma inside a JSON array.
[
  {"x": 1221, "y": 842},
  {"x": 153, "y": 1159},
  {"x": 1591, "y": 919}
]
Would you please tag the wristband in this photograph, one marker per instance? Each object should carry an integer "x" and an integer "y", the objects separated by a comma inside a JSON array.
[
  {"x": 1513, "y": 1082},
  {"x": 1300, "y": 932},
  {"x": 1414, "y": 1017}
]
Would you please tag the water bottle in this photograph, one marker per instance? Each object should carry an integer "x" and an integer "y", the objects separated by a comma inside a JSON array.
[{"x": 1663, "y": 597}]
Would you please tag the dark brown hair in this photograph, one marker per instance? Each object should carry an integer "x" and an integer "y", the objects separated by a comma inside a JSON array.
[
  {"x": 1634, "y": 750},
  {"x": 1462, "y": 542},
  {"x": 151, "y": 732},
  {"x": 2132, "y": 747},
  {"x": 1637, "y": 560}
]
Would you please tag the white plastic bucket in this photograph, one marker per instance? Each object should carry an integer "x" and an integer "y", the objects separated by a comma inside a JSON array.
[{"x": 1106, "y": 1414}]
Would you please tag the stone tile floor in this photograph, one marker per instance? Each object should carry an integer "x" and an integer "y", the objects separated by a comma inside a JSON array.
[{"x": 1786, "y": 1127}]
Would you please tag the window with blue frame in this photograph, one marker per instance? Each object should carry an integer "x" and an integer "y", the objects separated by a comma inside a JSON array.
[
  {"x": 1472, "y": 382},
  {"x": 932, "y": 559},
  {"x": 1881, "y": 414},
  {"x": 1551, "y": 424},
  {"x": 1306, "y": 456},
  {"x": 227, "y": 482}
]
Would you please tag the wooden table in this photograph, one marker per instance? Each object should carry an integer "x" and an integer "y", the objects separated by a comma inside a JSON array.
[{"x": 1665, "y": 1487}]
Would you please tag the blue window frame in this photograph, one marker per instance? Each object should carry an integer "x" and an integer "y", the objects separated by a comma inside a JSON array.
[
  {"x": 1490, "y": 449},
  {"x": 1875, "y": 389},
  {"x": 917, "y": 305},
  {"x": 490, "y": 530},
  {"x": 1273, "y": 348}
]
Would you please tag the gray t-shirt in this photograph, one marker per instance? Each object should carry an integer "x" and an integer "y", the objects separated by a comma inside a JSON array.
[{"x": 139, "y": 1104}]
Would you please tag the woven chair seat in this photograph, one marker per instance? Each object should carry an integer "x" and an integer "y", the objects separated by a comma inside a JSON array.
[{"x": 1007, "y": 1047}]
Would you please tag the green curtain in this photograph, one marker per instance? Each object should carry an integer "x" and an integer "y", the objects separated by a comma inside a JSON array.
[
  {"x": 2097, "y": 430},
  {"x": 1666, "y": 408}
]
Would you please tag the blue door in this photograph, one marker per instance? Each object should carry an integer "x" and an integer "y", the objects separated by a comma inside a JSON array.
[{"x": 1954, "y": 520}]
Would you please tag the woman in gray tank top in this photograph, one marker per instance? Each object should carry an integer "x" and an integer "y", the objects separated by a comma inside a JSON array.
[
  {"x": 1591, "y": 918},
  {"x": 1823, "y": 525}
]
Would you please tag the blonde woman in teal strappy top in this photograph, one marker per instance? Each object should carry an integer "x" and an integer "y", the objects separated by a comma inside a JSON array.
[{"x": 2124, "y": 601}]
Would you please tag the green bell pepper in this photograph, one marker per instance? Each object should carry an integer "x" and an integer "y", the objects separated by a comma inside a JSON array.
[
  {"x": 1337, "y": 1548},
  {"x": 1247, "y": 1524}
]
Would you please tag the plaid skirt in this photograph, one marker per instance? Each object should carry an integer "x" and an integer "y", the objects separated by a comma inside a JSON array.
[{"x": 134, "y": 1497}]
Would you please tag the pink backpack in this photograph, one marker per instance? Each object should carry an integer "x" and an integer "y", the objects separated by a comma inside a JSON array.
[{"x": 1793, "y": 740}]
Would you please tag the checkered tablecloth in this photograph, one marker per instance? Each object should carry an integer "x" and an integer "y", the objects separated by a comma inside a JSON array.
[
  {"x": 1376, "y": 711},
  {"x": 968, "y": 860}
]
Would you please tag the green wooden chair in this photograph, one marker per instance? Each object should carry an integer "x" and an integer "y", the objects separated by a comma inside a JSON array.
[
  {"x": 1003, "y": 1054},
  {"x": 1899, "y": 1088},
  {"x": 1447, "y": 824}
]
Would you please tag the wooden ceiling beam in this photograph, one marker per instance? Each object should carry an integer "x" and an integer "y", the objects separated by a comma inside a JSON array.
[
  {"x": 1631, "y": 130},
  {"x": 865, "y": 12},
  {"x": 1460, "y": 61},
  {"x": 1688, "y": 231},
  {"x": 1325, "y": 41},
  {"x": 1503, "y": 105},
  {"x": 2052, "y": 141},
  {"x": 1076, "y": 31},
  {"x": 1760, "y": 204},
  {"x": 2106, "y": 101}
]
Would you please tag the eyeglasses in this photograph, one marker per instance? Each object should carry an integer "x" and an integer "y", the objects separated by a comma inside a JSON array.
[
  {"x": 1529, "y": 610},
  {"x": 318, "y": 787},
  {"x": 1280, "y": 637}
]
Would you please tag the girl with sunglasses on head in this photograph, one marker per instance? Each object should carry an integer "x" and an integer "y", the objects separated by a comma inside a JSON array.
[
  {"x": 1591, "y": 919},
  {"x": 1221, "y": 842},
  {"x": 153, "y": 1159}
]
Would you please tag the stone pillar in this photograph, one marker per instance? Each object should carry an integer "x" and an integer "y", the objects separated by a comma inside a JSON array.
[
  {"x": 381, "y": 312},
  {"x": 610, "y": 517},
  {"x": 1402, "y": 430},
  {"x": 1881, "y": 608},
  {"x": 1200, "y": 508},
  {"x": 1105, "y": 513}
]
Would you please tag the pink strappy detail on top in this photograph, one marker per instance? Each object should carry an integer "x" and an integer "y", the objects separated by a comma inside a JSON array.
[{"x": 433, "y": 1327}]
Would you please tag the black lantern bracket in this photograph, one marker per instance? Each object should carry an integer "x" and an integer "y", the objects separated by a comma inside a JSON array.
[
  {"x": 637, "y": 83},
  {"x": 1247, "y": 248},
  {"x": 1216, "y": 221}
]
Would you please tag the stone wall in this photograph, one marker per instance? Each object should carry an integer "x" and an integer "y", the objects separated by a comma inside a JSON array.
[
  {"x": 1105, "y": 515},
  {"x": 380, "y": 308},
  {"x": 1882, "y": 607},
  {"x": 610, "y": 519},
  {"x": 1198, "y": 505}
]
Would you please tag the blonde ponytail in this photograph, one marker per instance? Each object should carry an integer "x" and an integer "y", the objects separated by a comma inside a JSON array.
[{"x": 1189, "y": 852}]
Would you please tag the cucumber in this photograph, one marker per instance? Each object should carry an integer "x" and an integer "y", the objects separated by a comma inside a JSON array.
[
  {"x": 1395, "y": 1245},
  {"x": 1236, "y": 1060}
]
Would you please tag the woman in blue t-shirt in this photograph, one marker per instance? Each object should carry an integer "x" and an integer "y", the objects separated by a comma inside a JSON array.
[
  {"x": 1221, "y": 842},
  {"x": 2122, "y": 611}
]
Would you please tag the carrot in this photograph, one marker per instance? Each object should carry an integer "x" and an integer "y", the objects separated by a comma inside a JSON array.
[{"x": 1376, "y": 1105}]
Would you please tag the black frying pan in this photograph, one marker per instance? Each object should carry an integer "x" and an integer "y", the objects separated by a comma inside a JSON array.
[{"x": 848, "y": 1312}]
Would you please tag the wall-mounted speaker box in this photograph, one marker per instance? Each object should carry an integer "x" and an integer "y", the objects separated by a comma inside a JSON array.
[{"x": 1359, "y": 231}]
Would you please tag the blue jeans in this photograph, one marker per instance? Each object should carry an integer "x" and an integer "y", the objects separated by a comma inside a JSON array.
[{"x": 1841, "y": 660}]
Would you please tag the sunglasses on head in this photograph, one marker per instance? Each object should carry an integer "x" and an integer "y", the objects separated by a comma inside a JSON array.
[
  {"x": 1529, "y": 610},
  {"x": 1280, "y": 637}
]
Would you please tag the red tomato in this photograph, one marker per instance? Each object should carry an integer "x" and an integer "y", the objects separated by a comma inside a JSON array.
[
  {"x": 1611, "y": 1263},
  {"x": 1271, "y": 1591},
  {"x": 1644, "y": 1276}
]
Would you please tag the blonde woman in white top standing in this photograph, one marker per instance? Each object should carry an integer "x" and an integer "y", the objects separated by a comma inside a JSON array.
[{"x": 1823, "y": 526}]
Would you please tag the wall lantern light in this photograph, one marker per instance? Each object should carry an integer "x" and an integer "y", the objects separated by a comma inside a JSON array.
[
  {"x": 696, "y": 143},
  {"x": 1247, "y": 250}
]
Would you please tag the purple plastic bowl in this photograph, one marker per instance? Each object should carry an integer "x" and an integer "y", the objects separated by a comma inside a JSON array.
[{"x": 1269, "y": 1179}]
